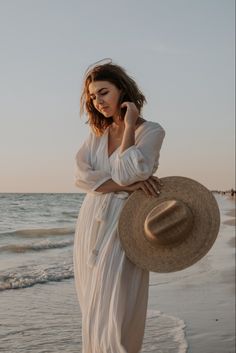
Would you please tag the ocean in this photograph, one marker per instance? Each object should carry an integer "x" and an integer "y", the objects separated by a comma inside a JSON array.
[{"x": 39, "y": 311}]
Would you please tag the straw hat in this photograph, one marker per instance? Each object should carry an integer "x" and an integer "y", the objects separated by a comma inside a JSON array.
[{"x": 172, "y": 231}]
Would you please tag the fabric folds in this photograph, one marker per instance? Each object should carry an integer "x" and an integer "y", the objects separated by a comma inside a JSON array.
[
  {"x": 140, "y": 161},
  {"x": 111, "y": 290},
  {"x": 88, "y": 179}
]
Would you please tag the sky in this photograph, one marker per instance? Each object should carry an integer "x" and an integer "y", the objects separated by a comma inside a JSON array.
[{"x": 180, "y": 52}]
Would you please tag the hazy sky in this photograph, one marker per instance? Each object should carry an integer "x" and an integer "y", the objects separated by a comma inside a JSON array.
[{"x": 180, "y": 52}]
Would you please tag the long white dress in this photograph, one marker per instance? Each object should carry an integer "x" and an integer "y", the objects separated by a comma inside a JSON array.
[{"x": 112, "y": 291}]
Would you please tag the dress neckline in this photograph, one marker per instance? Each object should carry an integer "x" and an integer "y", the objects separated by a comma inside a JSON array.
[{"x": 146, "y": 121}]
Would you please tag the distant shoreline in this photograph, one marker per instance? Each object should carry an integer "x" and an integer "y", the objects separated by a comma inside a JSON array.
[
  {"x": 227, "y": 192},
  {"x": 231, "y": 192}
]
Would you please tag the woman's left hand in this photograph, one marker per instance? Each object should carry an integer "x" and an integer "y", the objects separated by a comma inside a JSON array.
[{"x": 131, "y": 115}]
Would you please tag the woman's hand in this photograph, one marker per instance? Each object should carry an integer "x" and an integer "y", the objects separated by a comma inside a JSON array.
[
  {"x": 131, "y": 115},
  {"x": 150, "y": 186}
]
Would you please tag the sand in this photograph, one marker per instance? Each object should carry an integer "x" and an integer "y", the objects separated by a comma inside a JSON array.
[{"x": 230, "y": 222}]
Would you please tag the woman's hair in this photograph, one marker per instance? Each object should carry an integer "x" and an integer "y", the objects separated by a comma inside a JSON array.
[{"x": 116, "y": 75}]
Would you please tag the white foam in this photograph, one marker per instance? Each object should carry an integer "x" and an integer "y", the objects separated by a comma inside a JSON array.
[
  {"x": 164, "y": 334},
  {"x": 29, "y": 275},
  {"x": 39, "y": 246}
]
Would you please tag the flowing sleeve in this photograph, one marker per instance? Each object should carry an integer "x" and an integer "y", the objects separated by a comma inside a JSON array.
[
  {"x": 88, "y": 179},
  {"x": 138, "y": 162}
]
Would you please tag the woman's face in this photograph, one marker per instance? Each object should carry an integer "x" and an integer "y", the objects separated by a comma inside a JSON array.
[{"x": 105, "y": 97}]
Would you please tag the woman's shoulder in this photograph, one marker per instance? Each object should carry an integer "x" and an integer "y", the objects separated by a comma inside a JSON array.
[{"x": 153, "y": 125}]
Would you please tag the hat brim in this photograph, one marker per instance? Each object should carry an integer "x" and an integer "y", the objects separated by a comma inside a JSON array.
[{"x": 170, "y": 258}]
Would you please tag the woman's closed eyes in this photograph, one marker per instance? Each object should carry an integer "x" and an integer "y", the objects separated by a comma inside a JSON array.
[{"x": 102, "y": 94}]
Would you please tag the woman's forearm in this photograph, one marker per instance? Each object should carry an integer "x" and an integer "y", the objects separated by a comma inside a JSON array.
[
  {"x": 111, "y": 186},
  {"x": 128, "y": 138}
]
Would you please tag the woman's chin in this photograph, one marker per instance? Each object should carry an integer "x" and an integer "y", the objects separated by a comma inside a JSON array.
[{"x": 106, "y": 115}]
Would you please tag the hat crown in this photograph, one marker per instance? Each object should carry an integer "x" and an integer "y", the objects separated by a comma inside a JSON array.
[{"x": 168, "y": 224}]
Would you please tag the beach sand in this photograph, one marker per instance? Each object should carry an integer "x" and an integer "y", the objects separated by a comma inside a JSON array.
[
  {"x": 230, "y": 222},
  {"x": 230, "y": 213}
]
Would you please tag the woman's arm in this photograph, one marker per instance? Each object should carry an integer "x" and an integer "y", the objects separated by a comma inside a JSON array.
[
  {"x": 139, "y": 161},
  {"x": 88, "y": 179},
  {"x": 128, "y": 138},
  {"x": 111, "y": 186},
  {"x": 150, "y": 186}
]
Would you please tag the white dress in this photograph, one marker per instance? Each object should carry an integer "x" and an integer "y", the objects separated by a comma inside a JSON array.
[{"x": 112, "y": 291}]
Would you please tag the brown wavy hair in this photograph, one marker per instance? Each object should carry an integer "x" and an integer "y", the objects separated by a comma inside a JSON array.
[{"x": 116, "y": 75}]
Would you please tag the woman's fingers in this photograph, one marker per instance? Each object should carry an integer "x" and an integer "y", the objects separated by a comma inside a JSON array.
[
  {"x": 144, "y": 187},
  {"x": 152, "y": 187},
  {"x": 155, "y": 178},
  {"x": 156, "y": 186},
  {"x": 155, "y": 183}
]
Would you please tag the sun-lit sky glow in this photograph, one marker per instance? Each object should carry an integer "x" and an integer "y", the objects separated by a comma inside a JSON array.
[{"x": 181, "y": 53}]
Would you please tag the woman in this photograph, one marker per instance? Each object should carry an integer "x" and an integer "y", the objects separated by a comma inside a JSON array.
[{"x": 119, "y": 156}]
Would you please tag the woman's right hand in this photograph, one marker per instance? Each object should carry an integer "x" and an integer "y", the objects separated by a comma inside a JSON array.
[{"x": 150, "y": 186}]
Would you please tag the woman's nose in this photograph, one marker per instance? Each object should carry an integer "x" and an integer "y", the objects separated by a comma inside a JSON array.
[{"x": 99, "y": 100}]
